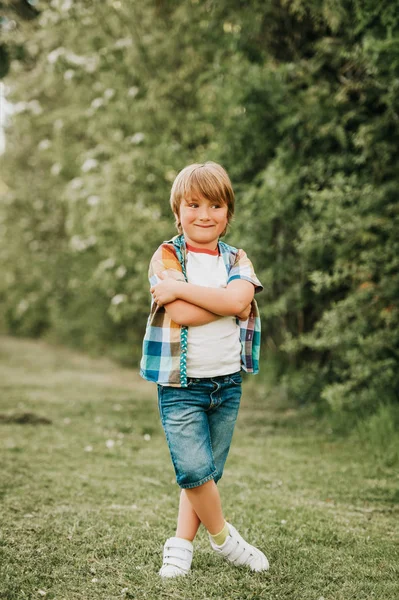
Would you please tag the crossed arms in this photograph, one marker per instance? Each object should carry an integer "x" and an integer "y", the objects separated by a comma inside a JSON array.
[{"x": 189, "y": 304}]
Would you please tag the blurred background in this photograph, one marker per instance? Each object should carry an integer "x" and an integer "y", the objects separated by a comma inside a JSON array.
[{"x": 102, "y": 104}]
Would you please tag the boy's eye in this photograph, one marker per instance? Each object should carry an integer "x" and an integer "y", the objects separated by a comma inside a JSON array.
[{"x": 195, "y": 205}]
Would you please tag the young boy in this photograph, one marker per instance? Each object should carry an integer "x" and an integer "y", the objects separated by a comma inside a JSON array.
[{"x": 203, "y": 328}]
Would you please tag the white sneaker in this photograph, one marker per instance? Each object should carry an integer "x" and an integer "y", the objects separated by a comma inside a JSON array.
[
  {"x": 239, "y": 552},
  {"x": 177, "y": 557}
]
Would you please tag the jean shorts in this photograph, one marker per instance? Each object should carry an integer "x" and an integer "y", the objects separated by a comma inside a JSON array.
[{"x": 199, "y": 423}]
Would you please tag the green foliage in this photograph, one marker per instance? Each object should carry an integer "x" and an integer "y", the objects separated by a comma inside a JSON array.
[
  {"x": 13, "y": 34},
  {"x": 378, "y": 434},
  {"x": 298, "y": 100}
]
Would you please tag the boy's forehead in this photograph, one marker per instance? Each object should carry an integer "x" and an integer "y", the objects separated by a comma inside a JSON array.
[{"x": 196, "y": 195}]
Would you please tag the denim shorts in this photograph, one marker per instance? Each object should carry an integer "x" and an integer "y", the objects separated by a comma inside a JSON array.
[{"x": 199, "y": 423}]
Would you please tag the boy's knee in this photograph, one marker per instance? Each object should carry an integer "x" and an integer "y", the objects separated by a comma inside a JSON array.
[{"x": 194, "y": 479}]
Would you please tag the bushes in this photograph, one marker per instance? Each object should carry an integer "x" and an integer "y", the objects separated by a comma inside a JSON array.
[{"x": 297, "y": 100}]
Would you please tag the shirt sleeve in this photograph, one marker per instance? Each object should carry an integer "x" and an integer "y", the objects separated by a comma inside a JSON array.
[
  {"x": 243, "y": 269},
  {"x": 164, "y": 259}
]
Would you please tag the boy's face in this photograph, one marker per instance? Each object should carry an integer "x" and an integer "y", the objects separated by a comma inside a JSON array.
[{"x": 202, "y": 221}]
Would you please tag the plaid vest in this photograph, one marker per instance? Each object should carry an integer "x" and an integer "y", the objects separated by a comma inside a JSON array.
[{"x": 165, "y": 342}]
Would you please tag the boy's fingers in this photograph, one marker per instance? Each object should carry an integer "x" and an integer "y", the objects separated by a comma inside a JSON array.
[{"x": 152, "y": 288}]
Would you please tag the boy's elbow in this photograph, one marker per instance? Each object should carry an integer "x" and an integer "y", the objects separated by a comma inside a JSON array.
[
  {"x": 176, "y": 318},
  {"x": 239, "y": 306},
  {"x": 240, "y": 295},
  {"x": 181, "y": 321},
  {"x": 232, "y": 308},
  {"x": 178, "y": 314}
]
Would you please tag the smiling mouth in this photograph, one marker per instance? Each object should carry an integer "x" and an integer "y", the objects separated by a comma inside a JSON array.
[{"x": 205, "y": 226}]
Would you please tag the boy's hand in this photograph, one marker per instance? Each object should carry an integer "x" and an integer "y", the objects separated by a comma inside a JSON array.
[
  {"x": 166, "y": 290},
  {"x": 244, "y": 315}
]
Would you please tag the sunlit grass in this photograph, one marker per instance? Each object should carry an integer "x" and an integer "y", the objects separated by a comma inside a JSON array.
[{"x": 89, "y": 497}]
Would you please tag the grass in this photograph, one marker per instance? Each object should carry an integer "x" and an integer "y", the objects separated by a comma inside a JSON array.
[{"x": 88, "y": 494}]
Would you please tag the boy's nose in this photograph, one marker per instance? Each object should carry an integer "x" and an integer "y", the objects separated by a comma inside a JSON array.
[{"x": 203, "y": 215}]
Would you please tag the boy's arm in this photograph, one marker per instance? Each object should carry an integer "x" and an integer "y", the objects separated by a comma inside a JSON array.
[
  {"x": 181, "y": 312},
  {"x": 166, "y": 267},
  {"x": 229, "y": 301},
  {"x": 184, "y": 313}
]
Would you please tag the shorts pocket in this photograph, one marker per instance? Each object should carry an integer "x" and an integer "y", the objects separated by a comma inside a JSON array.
[{"x": 235, "y": 378}]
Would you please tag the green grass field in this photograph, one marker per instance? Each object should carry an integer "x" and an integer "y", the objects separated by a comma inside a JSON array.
[{"x": 89, "y": 497}]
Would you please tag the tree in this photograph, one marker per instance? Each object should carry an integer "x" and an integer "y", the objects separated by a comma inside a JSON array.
[{"x": 298, "y": 100}]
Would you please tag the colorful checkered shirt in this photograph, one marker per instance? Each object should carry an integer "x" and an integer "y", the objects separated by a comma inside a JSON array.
[{"x": 165, "y": 342}]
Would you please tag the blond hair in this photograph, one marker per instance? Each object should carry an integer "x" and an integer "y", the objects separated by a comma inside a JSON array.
[{"x": 207, "y": 179}]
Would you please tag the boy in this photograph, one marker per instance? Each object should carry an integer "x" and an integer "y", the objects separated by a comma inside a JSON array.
[{"x": 203, "y": 328}]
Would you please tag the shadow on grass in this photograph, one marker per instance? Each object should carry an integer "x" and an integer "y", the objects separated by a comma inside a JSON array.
[{"x": 25, "y": 418}]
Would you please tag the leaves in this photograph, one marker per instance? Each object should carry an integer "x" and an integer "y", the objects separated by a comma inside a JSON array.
[{"x": 297, "y": 100}]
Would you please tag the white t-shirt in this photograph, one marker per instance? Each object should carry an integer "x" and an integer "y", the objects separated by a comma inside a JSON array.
[{"x": 215, "y": 348}]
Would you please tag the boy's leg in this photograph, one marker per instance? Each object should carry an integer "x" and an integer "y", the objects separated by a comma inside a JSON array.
[
  {"x": 206, "y": 503},
  {"x": 184, "y": 416},
  {"x": 188, "y": 521},
  {"x": 178, "y": 550},
  {"x": 184, "y": 419},
  {"x": 205, "y": 500}
]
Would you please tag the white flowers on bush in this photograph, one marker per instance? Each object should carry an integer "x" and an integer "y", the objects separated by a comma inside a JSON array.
[
  {"x": 109, "y": 263},
  {"x": 56, "y": 169},
  {"x": 8, "y": 24},
  {"x": 89, "y": 165},
  {"x": 22, "y": 307},
  {"x": 76, "y": 183},
  {"x": 120, "y": 272},
  {"x": 118, "y": 299},
  {"x": 109, "y": 93},
  {"x": 89, "y": 63},
  {"x": 32, "y": 106},
  {"x": 137, "y": 138},
  {"x": 79, "y": 244},
  {"x": 69, "y": 74},
  {"x": 133, "y": 91},
  {"x": 44, "y": 144},
  {"x": 123, "y": 43},
  {"x": 97, "y": 102},
  {"x": 53, "y": 56},
  {"x": 93, "y": 200},
  {"x": 66, "y": 5}
]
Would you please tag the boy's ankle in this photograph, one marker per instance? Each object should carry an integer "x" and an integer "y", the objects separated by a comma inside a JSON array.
[{"x": 221, "y": 537}]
